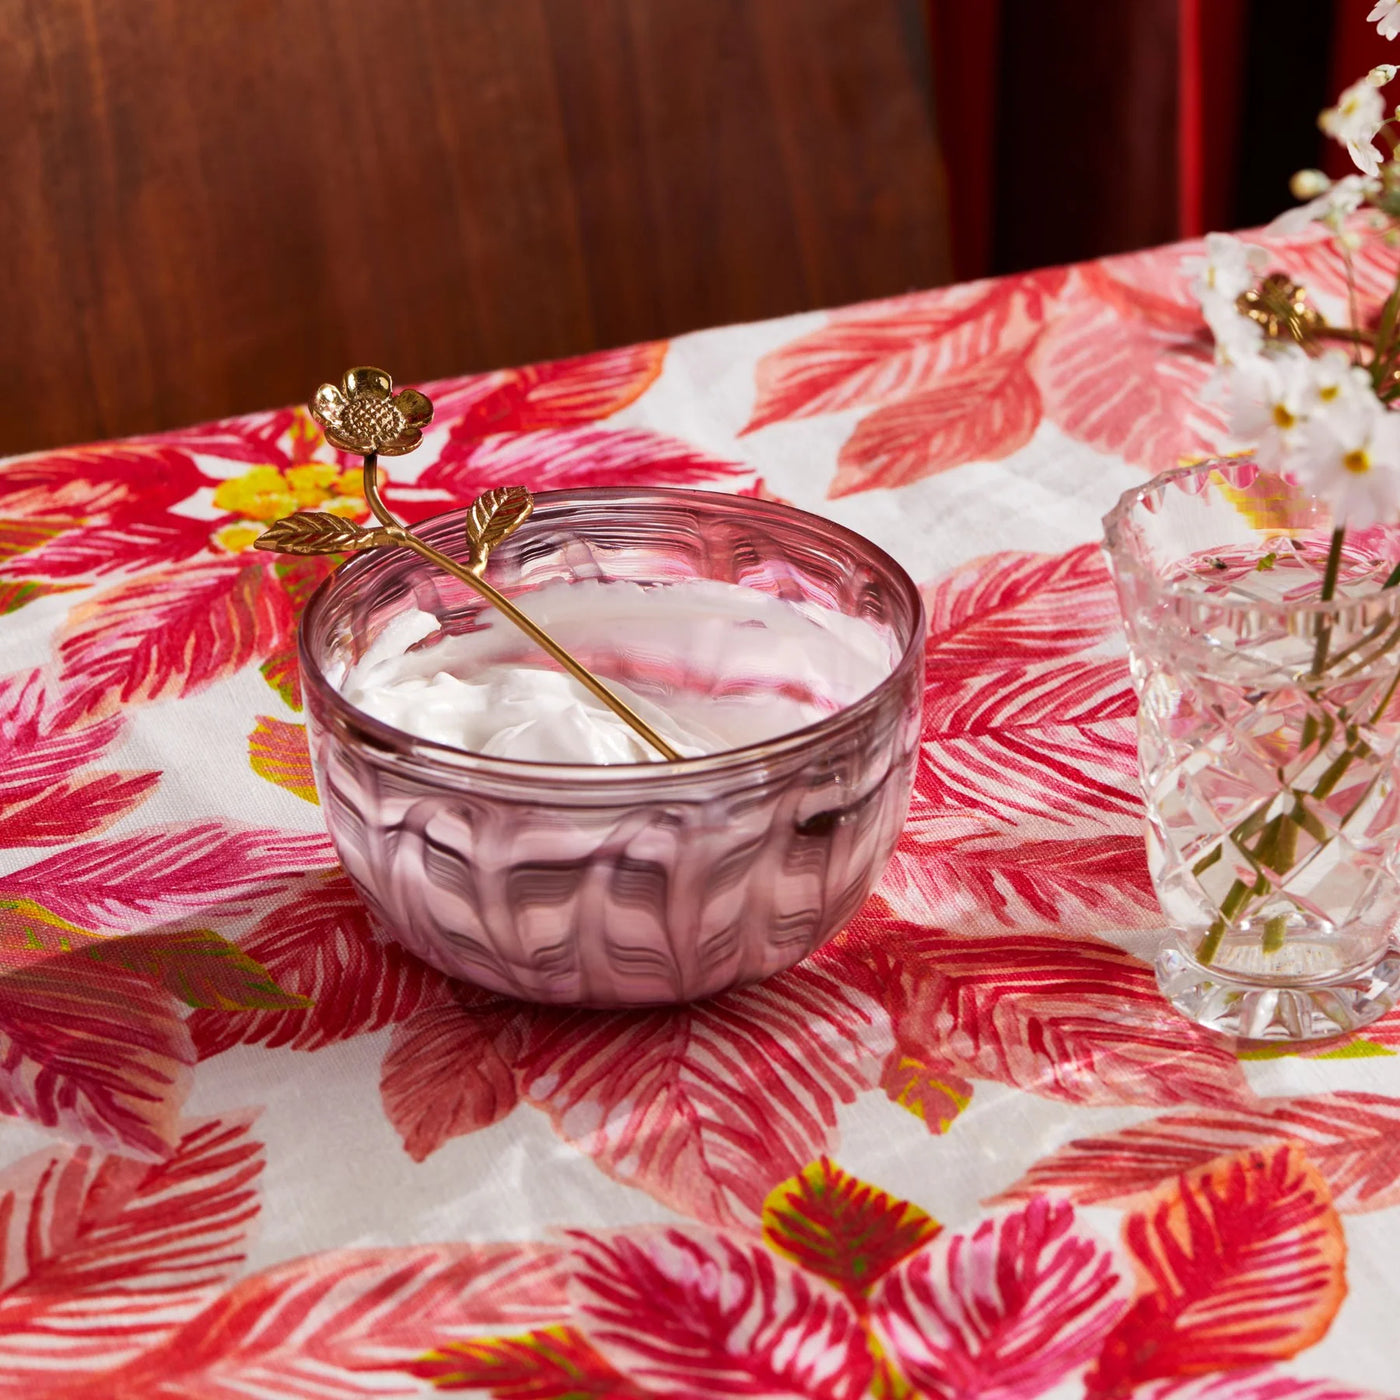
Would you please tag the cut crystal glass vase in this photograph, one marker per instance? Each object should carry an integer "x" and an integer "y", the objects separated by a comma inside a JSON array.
[{"x": 1267, "y": 738}]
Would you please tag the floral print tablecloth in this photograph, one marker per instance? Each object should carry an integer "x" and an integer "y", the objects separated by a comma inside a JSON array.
[{"x": 252, "y": 1150}]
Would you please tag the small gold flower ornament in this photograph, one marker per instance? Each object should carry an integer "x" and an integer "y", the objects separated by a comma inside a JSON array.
[
  {"x": 1280, "y": 305},
  {"x": 365, "y": 415}
]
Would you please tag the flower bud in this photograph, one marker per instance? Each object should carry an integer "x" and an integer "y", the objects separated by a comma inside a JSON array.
[
  {"x": 1381, "y": 74},
  {"x": 1308, "y": 184}
]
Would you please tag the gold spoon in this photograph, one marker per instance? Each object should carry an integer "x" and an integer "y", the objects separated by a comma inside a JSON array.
[{"x": 363, "y": 415}]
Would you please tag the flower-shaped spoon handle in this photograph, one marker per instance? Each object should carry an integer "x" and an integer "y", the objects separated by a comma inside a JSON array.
[{"x": 364, "y": 415}]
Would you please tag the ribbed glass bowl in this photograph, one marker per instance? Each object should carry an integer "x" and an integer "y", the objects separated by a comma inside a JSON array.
[{"x": 624, "y": 884}]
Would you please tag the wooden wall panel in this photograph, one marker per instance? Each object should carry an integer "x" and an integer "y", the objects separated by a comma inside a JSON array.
[{"x": 212, "y": 205}]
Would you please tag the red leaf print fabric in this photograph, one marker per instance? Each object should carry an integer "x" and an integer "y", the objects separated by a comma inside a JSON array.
[
  {"x": 1241, "y": 1262},
  {"x": 100, "y": 508},
  {"x": 559, "y": 458},
  {"x": 1125, "y": 373},
  {"x": 714, "y": 1314},
  {"x": 122, "y": 545},
  {"x": 983, "y": 414},
  {"x": 949, "y": 875},
  {"x": 1026, "y": 808},
  {"x": 708, "y": 1107},
  {"x": 44, "y": 800},
  {"x": 171, "y": 633},
  {"x": 104, "y": 1257},
  {"x": 880, "y": 353},
  {"x": 932, "y": 1093},
  {"x": 164, "y": 874},
  {"x": 1011, "y": 609},
  {"x": 558, "y": 394},
  {"x": 1065, "y": 1018},
  {"x": 95, "y": 1052},
  {"x": 165, "y": 955},
  {"x": 344, "y": 1325},
  {"x": 449, "y": 1070},
  {"x": 1351, "y": 1138},
  {"x": 319, "y": 946},
  {"x": 1254, "y": 1384},
  {"x": 1054, "y": 741},
  {"x": 1004, "y": 1312},
  {"x": 198, "y": 967}
]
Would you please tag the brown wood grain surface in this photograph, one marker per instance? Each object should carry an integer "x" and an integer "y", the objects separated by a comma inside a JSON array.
[{"x": 212, "y": 205}]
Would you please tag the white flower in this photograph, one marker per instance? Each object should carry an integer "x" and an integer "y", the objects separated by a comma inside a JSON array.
[
  {"x": 1386, "y": 17},
  {"x": 1275, "y": 398},
  {"x": 1333, "y": 377},
  {"x": 1270, "y": 397},
  {"x": 1330, "y": 207},
  {"x": 1351, "y": 459},
  {"x": 1355, "y": 120},
  {"x": 1229, "y": 268}
]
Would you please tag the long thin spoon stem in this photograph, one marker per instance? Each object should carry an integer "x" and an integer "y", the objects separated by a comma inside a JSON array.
[{"x": 498, "y": 600}]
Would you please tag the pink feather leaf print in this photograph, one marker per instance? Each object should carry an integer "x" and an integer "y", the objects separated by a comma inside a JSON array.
[
  {"x": 1125, "y": 373},
  {"x": 102, "y": 483},
  {"x": 195, "y": 965},
  {"x": 708, "y": 1107},
  {"x": 162, "y": 875},
  {"x": 984, "y": 413},
  {"x": 171, "y": 632},
  {"x": 84, "y": 805},
  {"x": 320, "y": 948},
  {"x": 557, "y": 394},
  {"x": 1352, "y": 1138},
  {"x": 45, "y": 796},
  {"x": 346, "y": 1324},
  {"x": 1002, "y": 1312},
  {"x": 449, "y": 1070},
  {"x": 1053, "y": 741},
  {"x": 1241, "y": 1262},
  {"x": 973, "y": 877},
  {"x": 1011, "y": 609},
  {"x": 555, "y": 459},
  {"x": 1065, "y": 1018},
  {"x": 1017, "y": 722},
  {"x": 121, "y": 545},
  {"x": 709, "y": 1313},
  {"x": 1253, "y": 1383},
  {"x": 549, "y": 1363},
  {"x": 885, "y": 351},
  {"x": 96, "y": 1053},
  {"x": 842, "y": 1229},
  {"x": 104, "y": 1257}
]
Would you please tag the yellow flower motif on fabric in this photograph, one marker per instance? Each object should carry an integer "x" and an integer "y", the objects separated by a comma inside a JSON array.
[
  {"x": 268, "y": 493},
  {"x": 234, "y": 539}
]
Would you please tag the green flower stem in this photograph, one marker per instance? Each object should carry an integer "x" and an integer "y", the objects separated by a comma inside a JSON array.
[
  {"x": 1278, "y": 845},
  {"x": 1329, "y": 587}
]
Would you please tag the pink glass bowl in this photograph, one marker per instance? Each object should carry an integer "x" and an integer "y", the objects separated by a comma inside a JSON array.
[{"x": 628, "y": 884}]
